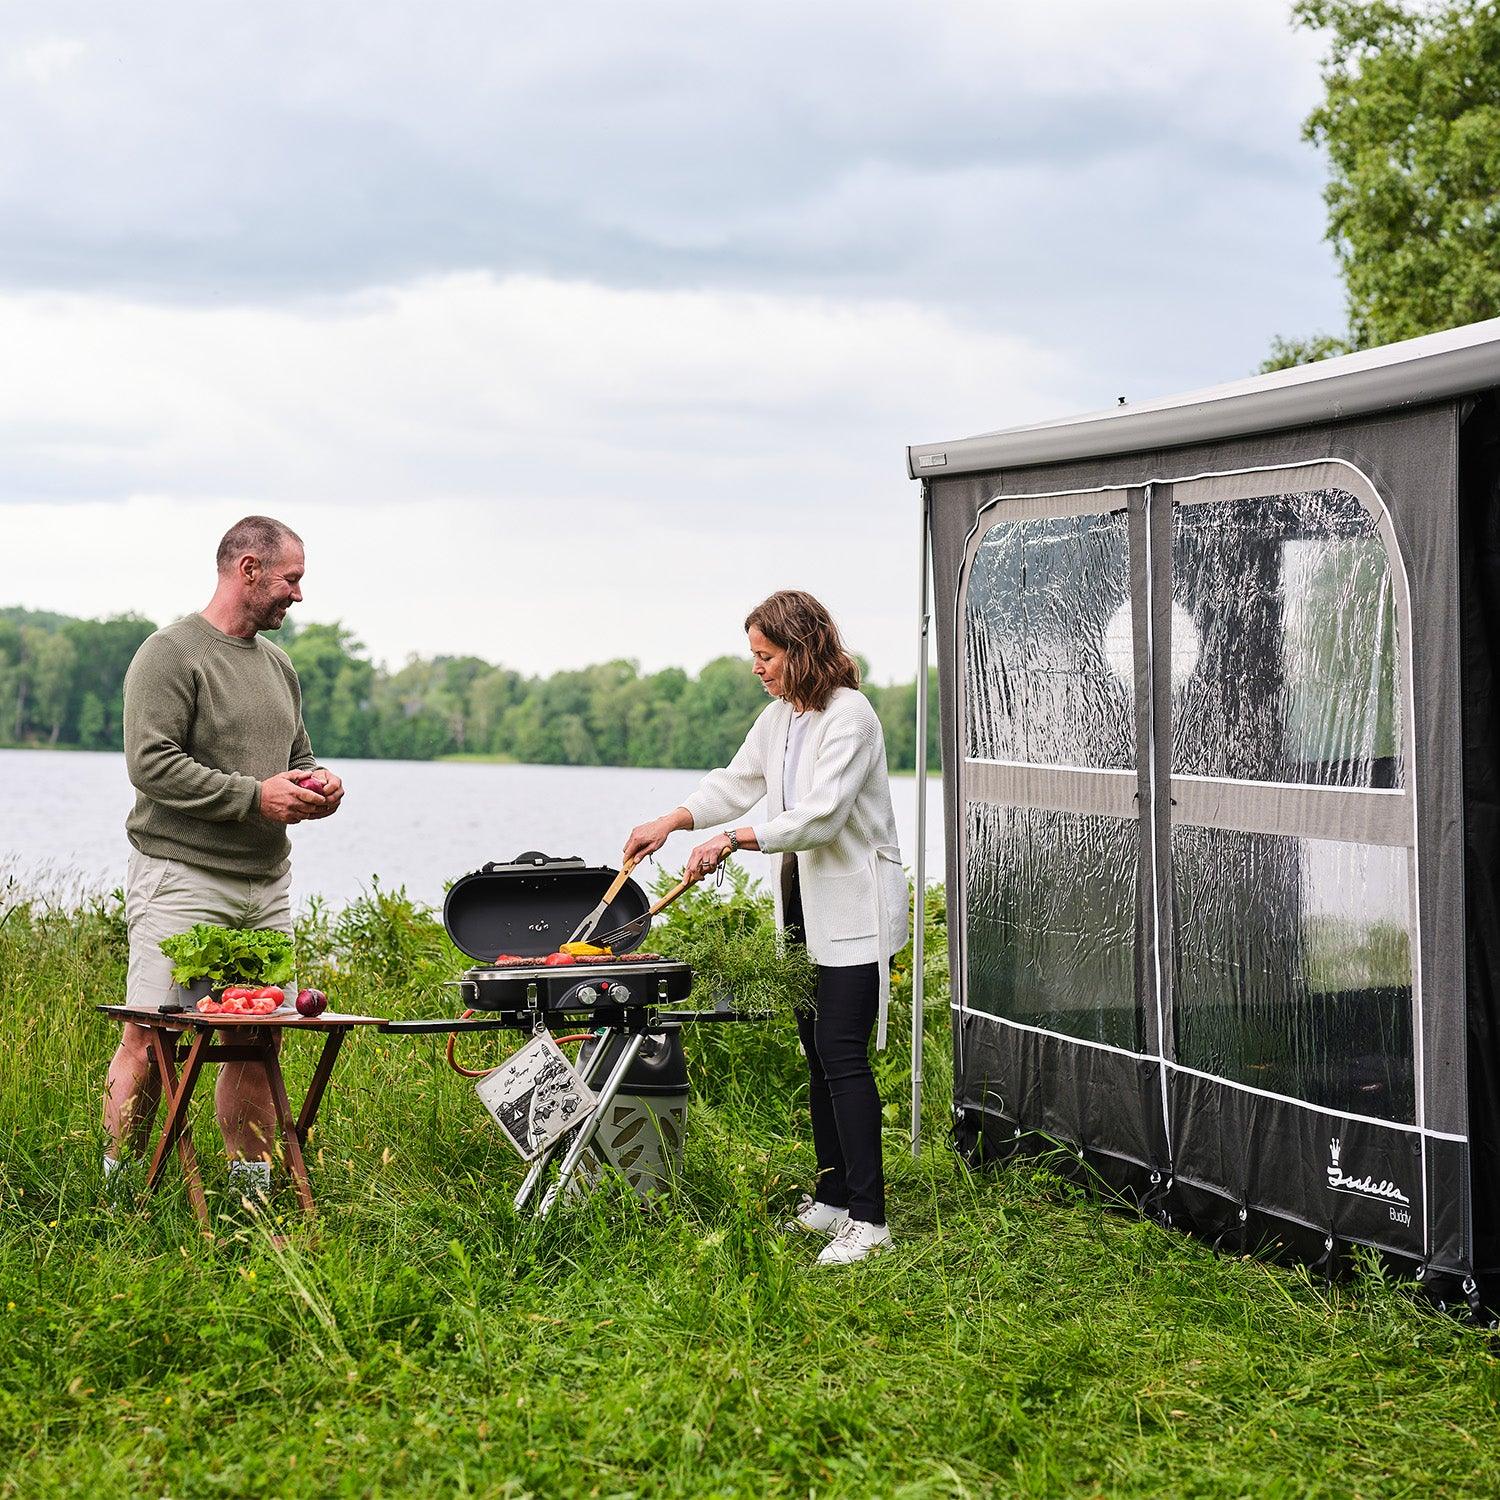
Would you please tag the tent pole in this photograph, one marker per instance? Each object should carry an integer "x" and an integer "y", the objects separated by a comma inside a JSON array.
[{"x": 919, "y": 899}]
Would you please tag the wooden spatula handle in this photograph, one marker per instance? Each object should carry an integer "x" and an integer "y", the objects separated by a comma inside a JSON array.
[
  {"x": 618, "y": 883},
  {"x": 671, "y": 896}
]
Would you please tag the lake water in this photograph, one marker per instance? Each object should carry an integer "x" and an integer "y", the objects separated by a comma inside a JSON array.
[{"x": 420, "y": 824}]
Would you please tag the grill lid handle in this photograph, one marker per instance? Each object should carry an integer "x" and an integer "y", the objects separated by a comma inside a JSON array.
[{"x": 530, "y": 857}]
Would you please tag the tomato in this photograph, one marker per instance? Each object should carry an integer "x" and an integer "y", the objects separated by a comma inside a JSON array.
[
  {"x": 552, "y": 960},
  {"x": 263, "y": 1005},
  {"x": 268, "y": 992},
  {"x": 208, "y": 1006},
  {"x": 237, "y": 992}
]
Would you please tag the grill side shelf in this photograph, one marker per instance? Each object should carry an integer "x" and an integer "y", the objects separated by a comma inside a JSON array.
[
  {"x": 659, "y": 1020},
  {"x": 426, "y": 1027}
]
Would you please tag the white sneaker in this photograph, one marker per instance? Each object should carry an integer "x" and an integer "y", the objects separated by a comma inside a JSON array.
[
  {"x": 121, "y": 1180},
  {"x": 818, "y": 1218},
  {"x": 250, "y": 1183},
  {"x": 854, "y": 1241}
]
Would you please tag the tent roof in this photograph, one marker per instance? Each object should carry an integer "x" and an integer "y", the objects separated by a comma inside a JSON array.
[{"x": 1431, "y": 368}]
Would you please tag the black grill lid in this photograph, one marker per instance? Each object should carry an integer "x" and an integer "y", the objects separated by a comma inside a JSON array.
[{"x": 530, "y": 906}]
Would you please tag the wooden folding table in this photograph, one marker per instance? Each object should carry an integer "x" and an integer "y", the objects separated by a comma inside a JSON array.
[{"x": 185, "y": 1040}]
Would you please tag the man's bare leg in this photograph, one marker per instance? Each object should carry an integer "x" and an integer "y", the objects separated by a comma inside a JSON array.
[
  {"x": 247, "y": 1117},
  {"x": 132, "y": 1090}
]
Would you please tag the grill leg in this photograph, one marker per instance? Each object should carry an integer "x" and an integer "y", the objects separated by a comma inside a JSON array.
[
  {"x": 590, "y": 1127},
  {"x": 540, "y": 1165}
]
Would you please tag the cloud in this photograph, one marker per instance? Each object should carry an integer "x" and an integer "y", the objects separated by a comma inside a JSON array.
[
  {"x": 502, "y": 466},
  {"x": 563, "y": 326},
  {"x": 315, "y": 149},
  {"x": 462, "y": 385},
  {"x": 46, "y": 59}
]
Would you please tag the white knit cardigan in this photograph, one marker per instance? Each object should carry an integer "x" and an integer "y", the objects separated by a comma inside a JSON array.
[{"x": 843, "y": 827}]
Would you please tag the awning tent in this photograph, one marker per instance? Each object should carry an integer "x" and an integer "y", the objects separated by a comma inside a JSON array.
[{"x": 1222, "y": 791}]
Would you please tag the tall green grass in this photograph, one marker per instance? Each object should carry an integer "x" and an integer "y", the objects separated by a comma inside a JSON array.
[{"x": 418, "y": 1338}]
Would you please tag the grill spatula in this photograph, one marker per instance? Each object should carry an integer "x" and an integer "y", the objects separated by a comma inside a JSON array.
[{"x": 631, "y": 927}]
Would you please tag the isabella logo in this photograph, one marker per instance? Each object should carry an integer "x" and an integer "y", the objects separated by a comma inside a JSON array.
[{"x": 1362, "y": 1187}]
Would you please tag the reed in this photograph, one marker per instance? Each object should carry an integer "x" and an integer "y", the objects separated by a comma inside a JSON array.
[{"x": 419, "y": 1339}]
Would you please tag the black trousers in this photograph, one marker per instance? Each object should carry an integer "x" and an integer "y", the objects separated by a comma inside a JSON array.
[{"x": 835, "y": 1028}]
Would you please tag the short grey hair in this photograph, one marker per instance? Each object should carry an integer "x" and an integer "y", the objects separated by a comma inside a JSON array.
[{"x": 260, "y": 536}]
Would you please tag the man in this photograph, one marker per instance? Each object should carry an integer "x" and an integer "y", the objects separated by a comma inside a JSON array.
[{"x": 214, "y": 740}]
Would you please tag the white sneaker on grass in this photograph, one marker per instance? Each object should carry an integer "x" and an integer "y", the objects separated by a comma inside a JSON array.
[
  {"x": 122, "y": 1180},
  {"x": 818, "y": 1218},
  {"x": 250, "y": 1183},
  {"x": 855, "y": 1240}
]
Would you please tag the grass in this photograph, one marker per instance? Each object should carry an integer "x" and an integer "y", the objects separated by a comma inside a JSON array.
[{"x": 419, "y": 1339}]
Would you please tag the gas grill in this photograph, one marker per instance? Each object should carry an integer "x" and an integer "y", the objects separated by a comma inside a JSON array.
[
  {"x": 525, "y": 909},
  {"x": 603, "y": 994}
]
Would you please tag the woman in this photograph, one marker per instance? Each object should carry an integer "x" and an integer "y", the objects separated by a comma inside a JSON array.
[{"x": 817, "y": 756}]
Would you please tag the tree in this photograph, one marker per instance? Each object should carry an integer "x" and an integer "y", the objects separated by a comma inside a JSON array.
[
  {"x": 896, "y": 706},
  {"x": 458, "y": 674},
  {"x": 523, "y": 735},
  {"x": 715, "y": 712},
  {"x": 1410, "y": 120},
  {"x": 654, "y": 717},
  {"x": 52, "y": 660},
  {"x": 105, "y": 649},
  {"x": 414, "y": 712},
  {"x": 614, "y": 688},
  {"x": 489, "y": 697},
  {"x": 93, "y": 724},
  {"x": 1286, "y": 353},
  {"x": 10, "y": 676},
  {"x": 337, "y": 682}
]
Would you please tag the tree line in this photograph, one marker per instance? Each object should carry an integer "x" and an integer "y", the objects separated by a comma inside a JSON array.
[{"x": 62, "y": 682}]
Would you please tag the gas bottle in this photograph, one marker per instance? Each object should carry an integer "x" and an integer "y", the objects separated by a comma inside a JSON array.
[{"x": 641, "y": 1132}]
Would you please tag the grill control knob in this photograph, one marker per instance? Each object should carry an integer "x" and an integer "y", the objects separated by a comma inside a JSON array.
[
  {"x": 587, "y": 994},
  {"x": 618, "y": 994}
]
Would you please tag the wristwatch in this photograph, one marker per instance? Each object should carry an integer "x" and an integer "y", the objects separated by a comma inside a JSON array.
[{"x": 733, "y": 846}]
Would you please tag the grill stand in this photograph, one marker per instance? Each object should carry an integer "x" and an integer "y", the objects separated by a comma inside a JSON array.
[
  {"x": 631, "y": 1022},
  {"x": 539, "y": 1167},
  {"x": 585, "y": 1133}
]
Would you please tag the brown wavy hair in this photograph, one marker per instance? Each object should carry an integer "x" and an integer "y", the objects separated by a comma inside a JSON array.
[{"x": 817, "y": 661}]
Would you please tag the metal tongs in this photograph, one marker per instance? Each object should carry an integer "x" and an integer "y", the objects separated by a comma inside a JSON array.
[{"x": 635, "y": 924}]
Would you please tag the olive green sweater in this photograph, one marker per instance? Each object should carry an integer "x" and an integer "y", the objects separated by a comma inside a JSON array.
[{"x": 208, "y": 717}]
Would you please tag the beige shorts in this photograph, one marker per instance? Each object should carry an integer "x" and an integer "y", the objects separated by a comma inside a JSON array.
[{"x": 164, "y": 897}]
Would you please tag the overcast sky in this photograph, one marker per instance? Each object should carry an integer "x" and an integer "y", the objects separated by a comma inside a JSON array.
[{"x": 567, "y": 332}]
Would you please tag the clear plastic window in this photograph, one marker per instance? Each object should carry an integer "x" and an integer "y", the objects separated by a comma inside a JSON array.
[
  {"x": 1286, "y": 606},
  {"x": 1051, "y": 932},
  {"x": 1049, "y": 661},
  {"x": 1293, "y": 967}
]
